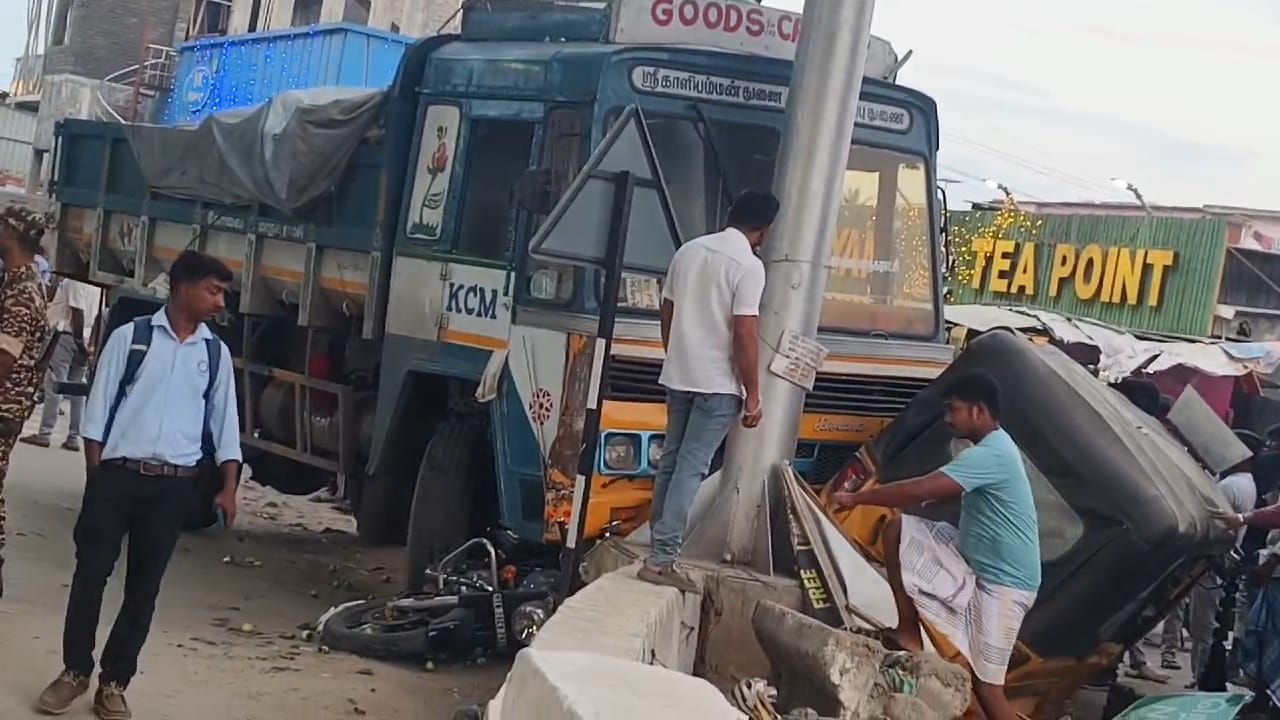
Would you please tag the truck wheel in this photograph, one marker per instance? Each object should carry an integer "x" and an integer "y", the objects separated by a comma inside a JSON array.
[
  {"x": 381, "y": 516},
  {"x": 440, "y": 518}
]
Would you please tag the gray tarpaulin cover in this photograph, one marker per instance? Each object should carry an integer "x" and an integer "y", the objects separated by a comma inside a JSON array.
[{"x": 285, "y": 153}]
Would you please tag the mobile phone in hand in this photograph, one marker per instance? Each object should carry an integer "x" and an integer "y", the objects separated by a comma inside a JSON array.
[{"x": 221, "y": 524}]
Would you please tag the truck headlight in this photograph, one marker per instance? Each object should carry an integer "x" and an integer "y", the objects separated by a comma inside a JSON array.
[
  {"x": 655, "y": 450},
  {"x": 622, "y": 452}
]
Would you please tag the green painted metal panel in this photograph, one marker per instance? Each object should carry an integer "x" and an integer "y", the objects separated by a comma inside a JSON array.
[
  {"x": 1187, "y": 706},
  {"x": 1187, "y": 292}
]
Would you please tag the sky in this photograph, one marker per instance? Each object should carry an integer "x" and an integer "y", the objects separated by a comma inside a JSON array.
[{"x": 1054, "y": 98}]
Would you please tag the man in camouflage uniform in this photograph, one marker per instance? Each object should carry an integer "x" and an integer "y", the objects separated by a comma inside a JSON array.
[{"x": 23, "y": 332}]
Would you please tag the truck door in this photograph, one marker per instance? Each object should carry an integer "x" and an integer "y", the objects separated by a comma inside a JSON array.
[{"x": 460, "y": 223}]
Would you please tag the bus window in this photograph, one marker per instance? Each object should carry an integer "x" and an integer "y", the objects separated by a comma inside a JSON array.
[
  {"x": 881, "y": 277},
  {"x": 499, "y": 154},
  {"x": 562, "y": 154},
  {"x": 701, "y": 181}
]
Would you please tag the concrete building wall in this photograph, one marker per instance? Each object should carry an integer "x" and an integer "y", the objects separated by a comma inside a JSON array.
[{"x": 106, "y": 36}]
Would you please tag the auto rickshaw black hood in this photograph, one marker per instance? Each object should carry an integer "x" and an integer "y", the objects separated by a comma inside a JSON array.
[{"x": 1121, "y": 503}]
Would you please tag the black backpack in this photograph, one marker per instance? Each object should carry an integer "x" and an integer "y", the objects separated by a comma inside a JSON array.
[{"x": 138, "y": 346}]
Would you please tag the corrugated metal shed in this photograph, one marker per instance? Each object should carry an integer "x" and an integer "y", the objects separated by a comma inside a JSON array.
[
  {"x": 17, "y": 129},
  {"x": 247, "y": 70},
  {"x": 1190, "y": 287}
]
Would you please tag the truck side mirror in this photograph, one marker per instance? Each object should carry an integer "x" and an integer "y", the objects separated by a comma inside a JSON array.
[{"x": 534, "y": 191}]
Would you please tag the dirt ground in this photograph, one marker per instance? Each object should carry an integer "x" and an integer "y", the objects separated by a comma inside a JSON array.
[{"x": 285, "y": 563}]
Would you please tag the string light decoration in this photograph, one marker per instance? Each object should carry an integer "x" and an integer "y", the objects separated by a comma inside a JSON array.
[
  {"x": 242, "y": 71},
  {"x": 969, "y": 230}
]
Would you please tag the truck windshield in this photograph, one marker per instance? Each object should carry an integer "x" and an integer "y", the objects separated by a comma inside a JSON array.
[{"x": 880, "y": 276}]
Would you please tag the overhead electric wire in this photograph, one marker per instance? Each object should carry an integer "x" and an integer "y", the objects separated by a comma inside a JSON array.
[{"x": 1095, "y": 187}]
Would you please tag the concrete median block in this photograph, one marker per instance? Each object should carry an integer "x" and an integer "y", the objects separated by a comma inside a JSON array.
[
  {"x": 563, "y": 685},
  {"x": 839, "y": 674},
  {"x": 626, "y": 618}
]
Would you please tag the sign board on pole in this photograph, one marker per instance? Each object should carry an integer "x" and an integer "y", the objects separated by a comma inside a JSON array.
[
  {"x": 727, "y": 25},
  {"x": 577, "y": 230}
]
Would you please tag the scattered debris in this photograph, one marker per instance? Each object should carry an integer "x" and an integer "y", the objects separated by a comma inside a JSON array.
[{"x": 365, "y": 671}]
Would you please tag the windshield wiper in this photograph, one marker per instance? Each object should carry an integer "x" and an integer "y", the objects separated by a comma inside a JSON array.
[{"x": 726, "y": 192}]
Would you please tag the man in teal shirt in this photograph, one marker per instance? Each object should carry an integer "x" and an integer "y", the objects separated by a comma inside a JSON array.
[{"x": 973, "y": 584}]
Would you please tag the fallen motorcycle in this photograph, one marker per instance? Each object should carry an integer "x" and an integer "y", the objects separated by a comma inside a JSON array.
[{"x": 469, "y": 608}]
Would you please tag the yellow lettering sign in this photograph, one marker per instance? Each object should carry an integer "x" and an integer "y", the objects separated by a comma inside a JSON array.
[
  {"x": 981, "y": 251},
  {"x": 1024, "y": 278},
  {"x": 814, "y": 589},
  {"x": 1107, "y": 274},
  {"x": 1064, "y": 259}
]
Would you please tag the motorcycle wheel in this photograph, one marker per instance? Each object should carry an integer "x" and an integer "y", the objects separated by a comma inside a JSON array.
[{"x": 371, "y": 630}]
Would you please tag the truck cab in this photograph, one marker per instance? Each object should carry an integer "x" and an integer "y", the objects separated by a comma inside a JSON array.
[
  {"x": 397, "y": 335},
  {"x": 505, "y": 99}
]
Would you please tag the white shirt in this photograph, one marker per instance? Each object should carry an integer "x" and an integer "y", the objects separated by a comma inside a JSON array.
[
  {"x": 162, "y": 416},
  {"x": 710, "y": 280},
  {"x": 1241, "y": 494},
  {"x": 74, "y": 294}
]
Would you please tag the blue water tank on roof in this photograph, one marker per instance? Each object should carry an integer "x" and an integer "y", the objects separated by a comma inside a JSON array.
[{"x": 246, "y": 70}]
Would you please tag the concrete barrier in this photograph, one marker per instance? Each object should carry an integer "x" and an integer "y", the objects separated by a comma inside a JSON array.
[
  {"x": 623, "y": 623},
  {"x": 566, "y": 685}
]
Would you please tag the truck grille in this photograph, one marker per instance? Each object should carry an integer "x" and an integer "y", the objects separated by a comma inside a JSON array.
[{"x": 636, "y": 380}]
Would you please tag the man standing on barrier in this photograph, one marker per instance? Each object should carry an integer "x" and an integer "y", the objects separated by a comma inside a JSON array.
[
  {"x": 161, "y": 408},
  {"x": 710, "y": 309}
]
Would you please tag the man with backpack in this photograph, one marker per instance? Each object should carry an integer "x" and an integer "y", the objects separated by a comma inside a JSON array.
[{"x": 162, "y": 405}]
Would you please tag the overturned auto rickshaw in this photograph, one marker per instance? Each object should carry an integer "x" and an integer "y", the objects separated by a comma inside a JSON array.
[{"x": 1125, "y": 511}]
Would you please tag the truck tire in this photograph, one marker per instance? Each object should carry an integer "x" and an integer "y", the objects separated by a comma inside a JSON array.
[
  {"x": 440, "y": 517},
  {"x": 382, "y": 512}
]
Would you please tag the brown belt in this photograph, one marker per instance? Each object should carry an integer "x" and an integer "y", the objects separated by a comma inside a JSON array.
[{"x": 155, "y": 469}]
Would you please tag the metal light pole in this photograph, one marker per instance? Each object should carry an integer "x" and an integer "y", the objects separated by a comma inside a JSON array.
[
  {"x": 821, "y": 109},
  {"x": 1134, "y": 191},
  {"x": 1004, "y": 190}
]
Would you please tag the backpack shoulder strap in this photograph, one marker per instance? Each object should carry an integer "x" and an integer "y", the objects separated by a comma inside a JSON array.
[
  {"x": 213, "y": 346},
  {"x": 138, "y": 346}
]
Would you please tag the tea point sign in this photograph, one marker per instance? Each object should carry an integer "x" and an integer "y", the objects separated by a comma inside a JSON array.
[{"x": 1094, "y": 272}]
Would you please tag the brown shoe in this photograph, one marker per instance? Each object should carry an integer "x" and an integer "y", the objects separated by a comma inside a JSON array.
[
  {"x": 57, "y": 698},
  {"x": 37, "y": 440},
  {"x": 667, "y": 575},
  {"x": 109, "y": 704}
]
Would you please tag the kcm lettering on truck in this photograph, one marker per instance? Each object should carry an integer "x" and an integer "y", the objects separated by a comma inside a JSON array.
[
  {"x": 1108, "y": 274},
  {"x": 473, "y": 300}
]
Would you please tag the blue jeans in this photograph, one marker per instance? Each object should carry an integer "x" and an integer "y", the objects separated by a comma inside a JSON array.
[{"x": 697, "y": 424}]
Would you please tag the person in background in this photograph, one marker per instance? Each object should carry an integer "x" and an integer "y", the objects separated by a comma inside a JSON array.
[
  {"x": 1259, "y": 639},
  {"x": 710, "y": 308},
  {"x": 23, "y": 329},
  {"x": 1238, "y": 487},
  {"x": 144, "y": 445},
  {"x": 73, "y": 316},
  {"x": 976, "y": 583},
  {"x": 1146, "y": 396}
]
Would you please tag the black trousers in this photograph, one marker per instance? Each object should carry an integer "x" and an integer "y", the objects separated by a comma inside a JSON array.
[{"x": 119, "y": 502}]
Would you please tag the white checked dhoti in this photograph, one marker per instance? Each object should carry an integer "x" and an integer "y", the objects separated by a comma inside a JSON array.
[{"x": 980, "y": 618}]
